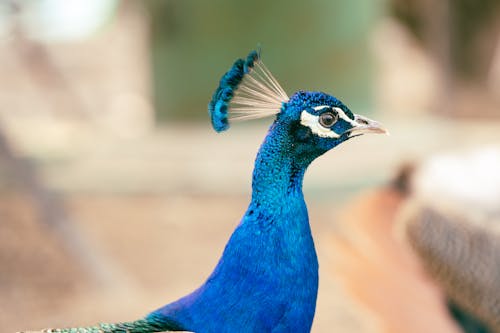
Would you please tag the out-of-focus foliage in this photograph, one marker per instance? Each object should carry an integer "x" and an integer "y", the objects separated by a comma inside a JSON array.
[{"x": 314, "y": 45}]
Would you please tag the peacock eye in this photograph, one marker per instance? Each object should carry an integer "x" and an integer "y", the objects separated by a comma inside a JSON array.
[{"x": 328, "y": 119}]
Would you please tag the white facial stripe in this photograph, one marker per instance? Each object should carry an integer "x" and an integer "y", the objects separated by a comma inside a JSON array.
[
  {"x": 346, "y": 118},
  {"x": 312, "y": 122}
]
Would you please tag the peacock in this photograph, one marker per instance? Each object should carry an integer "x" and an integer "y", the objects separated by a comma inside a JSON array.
[
  {"x": 431, "y": 241},
  {"x": 267, "y": 277},
  {"x": 452, "y": 223}
]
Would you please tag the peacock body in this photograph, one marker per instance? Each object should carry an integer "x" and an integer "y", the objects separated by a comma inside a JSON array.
[{"x": 267, "y": 277}]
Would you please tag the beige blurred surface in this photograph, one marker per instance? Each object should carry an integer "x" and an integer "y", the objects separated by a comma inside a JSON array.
[
  {"x": 143, "y": 209},
  {"x": 156, "y": 245},
  {"x": 160, "y": 248}
]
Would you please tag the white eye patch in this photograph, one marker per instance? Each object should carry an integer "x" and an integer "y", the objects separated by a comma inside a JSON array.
[{"x": 312, "y": 121}]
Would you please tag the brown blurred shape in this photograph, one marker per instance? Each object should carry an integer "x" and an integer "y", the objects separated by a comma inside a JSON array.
[{"x": 381, "y": 272}]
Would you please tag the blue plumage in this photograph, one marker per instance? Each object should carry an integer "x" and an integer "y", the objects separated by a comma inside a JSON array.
[{"x": 267, "y": 277}]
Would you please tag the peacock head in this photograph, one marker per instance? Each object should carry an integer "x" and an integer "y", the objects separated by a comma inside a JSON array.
[{"x": 314, "y": 121}]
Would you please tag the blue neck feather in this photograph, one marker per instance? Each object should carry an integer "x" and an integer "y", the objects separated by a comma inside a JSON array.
[
  {"x": 277, "y": 173},
  {"x": 267, "y": 278}
]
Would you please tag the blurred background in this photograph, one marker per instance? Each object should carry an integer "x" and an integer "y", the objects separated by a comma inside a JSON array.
[{"x": 116, "y": 196}]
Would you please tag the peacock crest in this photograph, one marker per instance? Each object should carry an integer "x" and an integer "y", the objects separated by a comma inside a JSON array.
[{"x": 247, "y": 91}]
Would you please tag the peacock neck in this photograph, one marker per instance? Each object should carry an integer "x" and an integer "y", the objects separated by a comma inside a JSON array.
[
  {"x": 278, "y": 174},
  {"x": 270, "y": 257}
]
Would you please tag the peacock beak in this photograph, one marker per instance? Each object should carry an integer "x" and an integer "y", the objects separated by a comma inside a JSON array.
[{"x": 363, "y": 125}]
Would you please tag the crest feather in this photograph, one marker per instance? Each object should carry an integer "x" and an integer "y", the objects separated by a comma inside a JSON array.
[{"x": 247, "y": 91}]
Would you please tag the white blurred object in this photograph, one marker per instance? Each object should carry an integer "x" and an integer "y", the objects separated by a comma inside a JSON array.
[
  {"x": 56, "y": 20},
  {"x": 470, "y": 179}
]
